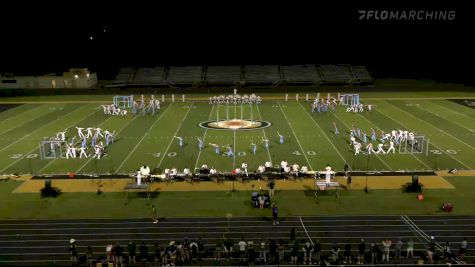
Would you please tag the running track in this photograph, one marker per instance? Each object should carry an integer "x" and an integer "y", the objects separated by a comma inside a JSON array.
[{"x": 45, "y": 242}]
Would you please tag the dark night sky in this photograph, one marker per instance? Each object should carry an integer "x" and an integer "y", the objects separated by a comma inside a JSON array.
[{"x": 55, "y": 36}]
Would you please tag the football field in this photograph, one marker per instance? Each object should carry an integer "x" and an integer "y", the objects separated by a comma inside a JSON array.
[{"x": 309, "y": 138}]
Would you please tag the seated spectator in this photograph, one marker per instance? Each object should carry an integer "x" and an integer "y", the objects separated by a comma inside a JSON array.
[
  {"x": 109, "y": 252},
  {"x": 262, "y": 251},
  {"x": 281, "y": 250},
  {"x": 228, "y": 247},
  {"x": 374, "y": 253},
  {"x": 447, "y": 252},
  {"x": 89, "y": 255},
  {"x": 186, "y": 250},
  {"x": 180, "y": 253},
  {"x": 143, "y": 252},
  {"x": 272, "y": 250},
  {"x": 294, "y": 250},
  {"x": 361, "y": 251},
  {"x": 157, "y": 253},
  {"x": 463, "y": 248},
  {"x": 348, "y": 252},
  {"x": 307, "y": 250},
  {"x": 132, "y": 251},
  {"x": 201, "y": 248},
  {"x": 193, "y": 250},
  {"x": 251, "y": 255},
  {"x": 73, "y": 250},
  {"x": 171, "y": 252},
  {"x": 118, "y": 251},
  {"x": 317, "y": 248},
  {"x": 218, "y": 248},
  {"x": 386, "y": 248},
  {"x": 334, "y": 252},
  {"x": 242, "y": 247}
]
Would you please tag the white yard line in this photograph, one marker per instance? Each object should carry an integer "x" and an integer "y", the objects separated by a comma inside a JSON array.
[
  {"x": 124, "y": 127},
  {"x": 44, "y": 167},
  {"x": 380, "y": 130},
  {"x": 171, "y": 142},
  {"x": 143, "y": 137},
  {"x": 468, "y": 167},
  {"x": 443, "y": 117},
  {"x": 27, "y": 153},
  {"x": 324, "y": 134},
  {"x": 23, "y": 122},
  {"x": 204, "y": 137},
  {"x": 348, "y": 127},
  {"x": 435, "y": 127},
  {"x": 263, "y": 131},
  {"x": 296, "y": 138},
  {"x": 455, "y": 112},
  {"x": 59, "y": 117}
]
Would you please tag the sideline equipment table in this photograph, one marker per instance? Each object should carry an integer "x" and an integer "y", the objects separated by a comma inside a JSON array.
[{"x": 144, "y": 187}]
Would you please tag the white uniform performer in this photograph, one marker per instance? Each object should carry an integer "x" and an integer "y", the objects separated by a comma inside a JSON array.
[
  {"x": 69, "y": 152},
  {"x": 352, "y": 140},
  {"x": 212, "y": 171},
  {"x": 98, "y": 132},
  {"x": 287, "y": 169},
  {"x": 295, "y": 169},
  {"x": 244, "y": 168},
  {"x": 391, "y": 147},
  {"x": 357, "y": 148},
  {"x": 89, "y": 132},
  {"x": 369, "y": 146},
  {"x": 80, "y": 134},
  {"x": 186, "y": 172},
  {"x": 139, "y": 178},
  {"x": 380, "y": 149},
  {"x": 328, "y": 171},
  {"x": 97, "y": 152},
  {"x": 61, "y": 135},
  {"x": 82, "y": 152},
  {"x": 283, "y": 164},
  {"x": 73, "y": 150},
  {"x": 260, "y": 169}
]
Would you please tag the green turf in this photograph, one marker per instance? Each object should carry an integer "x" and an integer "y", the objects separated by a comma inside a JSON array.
[
  {"x": 309, "y": 138},
  {"x": 218, "y": 204}
]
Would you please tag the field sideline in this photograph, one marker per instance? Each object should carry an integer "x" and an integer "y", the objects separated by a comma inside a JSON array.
[{"x": 309, "y": 137}]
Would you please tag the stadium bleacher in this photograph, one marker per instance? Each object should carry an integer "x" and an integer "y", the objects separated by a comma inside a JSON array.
[
  {"x": 301, "y": 74},
  {"x": 361, "y": 74},
  {"x": 274, "y": 75},
  {"x": 336, "y": 74},
  {"x": 149, "y": 75},
  {"x": 185, "y": 75},
  {"x": 125, "y": 75},
  {"x": 262, "y": 74},
  {"x": 223, "y": 74}
]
